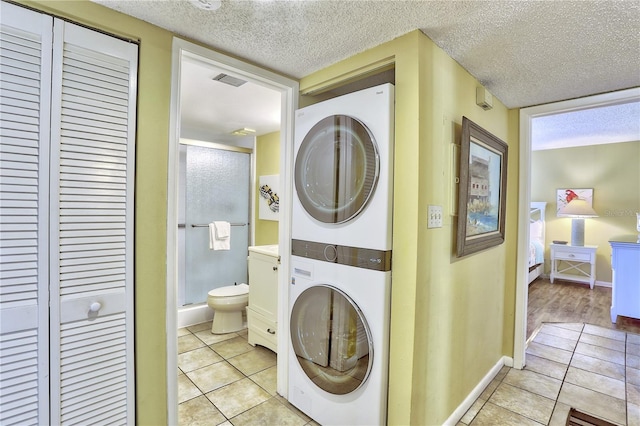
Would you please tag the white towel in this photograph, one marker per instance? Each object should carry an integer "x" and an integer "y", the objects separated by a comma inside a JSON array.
[{"x": 220, "y": 236}]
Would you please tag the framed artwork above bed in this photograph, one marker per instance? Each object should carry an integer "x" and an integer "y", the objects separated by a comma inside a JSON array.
[{"x": 565, "y": 195}]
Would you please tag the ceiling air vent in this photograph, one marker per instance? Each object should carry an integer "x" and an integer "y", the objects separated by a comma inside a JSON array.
[{"x": 227, "y": 79}]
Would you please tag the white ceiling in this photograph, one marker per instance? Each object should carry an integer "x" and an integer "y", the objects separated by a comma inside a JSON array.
[
  {"x": 524, "y": 52},
  {"x": 210, "y": 110}
]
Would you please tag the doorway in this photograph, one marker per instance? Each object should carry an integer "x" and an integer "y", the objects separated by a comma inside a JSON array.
[
  {"x": 288, "y": 90},
  {"x": 527, "y": 115}
]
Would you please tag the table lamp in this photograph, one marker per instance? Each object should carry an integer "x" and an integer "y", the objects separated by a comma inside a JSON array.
[{"x": 578, "y": 209}]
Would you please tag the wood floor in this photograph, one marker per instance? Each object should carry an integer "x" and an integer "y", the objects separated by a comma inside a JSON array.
[{"x": 564, "y": 301}]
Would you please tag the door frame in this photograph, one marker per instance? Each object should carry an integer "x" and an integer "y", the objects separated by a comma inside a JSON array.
[
  {"x": 527, "y": 115},
  {"x": 289, "y": 90}
]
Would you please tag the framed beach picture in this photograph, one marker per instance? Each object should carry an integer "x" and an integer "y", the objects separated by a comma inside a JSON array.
[{"x": 482, "y": 193}]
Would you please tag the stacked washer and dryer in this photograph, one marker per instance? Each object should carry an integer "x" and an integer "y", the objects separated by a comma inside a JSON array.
[{"x": 341, "y": 258}]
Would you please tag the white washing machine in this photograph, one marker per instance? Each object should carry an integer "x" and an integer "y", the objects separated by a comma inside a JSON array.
[
  {"x": 339, "y": 328},
  {"x": 344, "y": 168}
]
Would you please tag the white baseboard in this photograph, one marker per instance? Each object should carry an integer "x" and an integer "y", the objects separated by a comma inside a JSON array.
[
  {"x": 194, "y": 314},
  {"x": 455, "y": 417}
]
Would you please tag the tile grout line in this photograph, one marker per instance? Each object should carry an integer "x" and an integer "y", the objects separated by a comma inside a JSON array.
[
  {"x": 573, "y": 352},
  {"x": 244, "y": 376},
  {"x": 626, "y": 385},
  {"x": 582, "y": 331}
]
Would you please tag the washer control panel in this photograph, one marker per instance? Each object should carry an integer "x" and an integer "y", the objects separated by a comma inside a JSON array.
[{"x": 378, "y": 260}]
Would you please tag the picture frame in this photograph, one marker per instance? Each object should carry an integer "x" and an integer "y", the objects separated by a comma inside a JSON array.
[
  {"x": 482, "y": 192},
  {"x": 565, "y": 195},
  {"x": 269, "y": 204}
]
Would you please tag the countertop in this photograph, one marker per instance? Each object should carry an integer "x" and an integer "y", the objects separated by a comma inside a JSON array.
[{"x": 269, "y": 250}]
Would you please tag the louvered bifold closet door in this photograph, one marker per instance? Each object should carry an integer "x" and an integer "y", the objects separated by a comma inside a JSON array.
[
  {"x": 92, "y": 171},
  {"x": 25, "y": 80}
]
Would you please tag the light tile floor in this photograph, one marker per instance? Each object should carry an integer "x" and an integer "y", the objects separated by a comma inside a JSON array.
[
  {"x": 222, "y": 380},
  {"x": 593, "y": 369}
]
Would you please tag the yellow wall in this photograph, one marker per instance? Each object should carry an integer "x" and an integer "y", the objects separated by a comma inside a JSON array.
[
  {"x": 154, "y": 85},
  {"x": 449, "y": 324},
  {"x": 267, "y": 154},
  {"x": 613, "y": 173}
]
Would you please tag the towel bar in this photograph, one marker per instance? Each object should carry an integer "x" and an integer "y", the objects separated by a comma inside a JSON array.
[{"x": 193, "y": 225}]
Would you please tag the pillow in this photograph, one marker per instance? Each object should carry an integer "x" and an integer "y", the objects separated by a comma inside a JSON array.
[{"x": 536, "y": 229}]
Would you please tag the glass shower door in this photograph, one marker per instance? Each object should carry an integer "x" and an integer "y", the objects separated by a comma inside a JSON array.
[{"x": 217, "y": 189}]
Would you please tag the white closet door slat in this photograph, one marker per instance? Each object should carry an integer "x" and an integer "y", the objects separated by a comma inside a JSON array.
[
  {"x": 73, "y": 133},
  {"x": 92, "y": 193},
  {"x": 89, "y": 372},
  {"x": 94, "y": 380},
  {"x": 18, "y": 239},
  {"x": 78, "y": 96},
  {"x": 18, "y": 99},
  {"x": 18, "y": 149},
  {"x": 72, "y": 102},
  {"x": 96, "y": 260},
  {"x": 25, "y": 99},
  {"x": 73, "y": 144},
  {"x": 83, "y": 414}
]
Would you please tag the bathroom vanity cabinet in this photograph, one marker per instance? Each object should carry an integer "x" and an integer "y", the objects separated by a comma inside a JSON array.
[
  {"x": 625, "y": 262},
  {"x": 262, "y": 310}
]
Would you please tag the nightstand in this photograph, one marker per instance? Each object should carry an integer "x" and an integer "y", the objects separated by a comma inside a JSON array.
[{"x": 573, "y": 263}]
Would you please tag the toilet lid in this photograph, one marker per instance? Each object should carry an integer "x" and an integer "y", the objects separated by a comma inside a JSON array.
[{"x": 230, "y": 290}]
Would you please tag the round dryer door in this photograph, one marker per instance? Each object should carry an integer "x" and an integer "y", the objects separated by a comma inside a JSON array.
[
  {"x": 331, "y": 339},
  {"x": 336, "y": 169}
]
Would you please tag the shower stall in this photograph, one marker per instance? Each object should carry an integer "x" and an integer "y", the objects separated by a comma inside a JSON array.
[{"x": 214, "y": 185}]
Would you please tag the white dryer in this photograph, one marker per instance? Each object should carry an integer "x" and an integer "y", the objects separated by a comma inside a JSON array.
[
  {"x": 339, "y": 328},
  {"x": 343, "y": 170}
]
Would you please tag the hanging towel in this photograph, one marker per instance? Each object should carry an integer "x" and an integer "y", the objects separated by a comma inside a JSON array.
[{"x": 220, "y": 235}]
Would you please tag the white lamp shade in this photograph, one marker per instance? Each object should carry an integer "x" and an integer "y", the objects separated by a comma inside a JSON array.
[{"x": 577, "y": 208}]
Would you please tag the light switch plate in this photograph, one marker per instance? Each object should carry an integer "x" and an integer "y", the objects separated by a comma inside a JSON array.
[{"x": 434, "y": 218}]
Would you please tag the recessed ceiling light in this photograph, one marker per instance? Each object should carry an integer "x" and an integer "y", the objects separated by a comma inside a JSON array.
[
  {"x": 207, "y": 4},
  {"x": 243, "y": 132}
]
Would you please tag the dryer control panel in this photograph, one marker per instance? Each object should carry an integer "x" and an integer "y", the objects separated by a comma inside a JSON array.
[{"x": 378, "y": 260}]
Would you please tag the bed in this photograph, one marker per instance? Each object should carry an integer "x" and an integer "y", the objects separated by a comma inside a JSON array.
[{"x": 536, "y": 239}]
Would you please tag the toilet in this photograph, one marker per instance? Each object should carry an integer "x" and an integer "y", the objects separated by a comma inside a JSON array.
[{"x": 228, "y": 304}]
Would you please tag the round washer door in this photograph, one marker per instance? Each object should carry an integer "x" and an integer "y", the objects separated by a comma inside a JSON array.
[
  {"x": 336, "y": 169},
  {"x": 331, "y": 339}
]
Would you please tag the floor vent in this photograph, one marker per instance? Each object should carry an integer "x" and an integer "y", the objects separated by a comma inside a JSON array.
[{"x": 577, "y": 418}]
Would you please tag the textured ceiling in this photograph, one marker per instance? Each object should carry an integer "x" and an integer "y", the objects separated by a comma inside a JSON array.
[
  {"x": 524, "y": 52},
  {"x": 594, "y": 126}
]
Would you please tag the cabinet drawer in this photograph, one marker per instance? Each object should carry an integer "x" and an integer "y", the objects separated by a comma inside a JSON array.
[
  {"x": 262, "y": 331},
  {"x": 564, "y": 255},
  {"x": 260, "y": 321}
]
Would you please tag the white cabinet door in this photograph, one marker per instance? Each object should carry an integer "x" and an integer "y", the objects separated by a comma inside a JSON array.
[
  {"x": 92, "y": 164},
  {"x": 66, "y": 233},
  {"x": 25, "y": 82}
]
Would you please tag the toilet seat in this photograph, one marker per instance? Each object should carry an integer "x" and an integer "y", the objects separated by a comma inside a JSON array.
[{"x": 230, "y": 290}]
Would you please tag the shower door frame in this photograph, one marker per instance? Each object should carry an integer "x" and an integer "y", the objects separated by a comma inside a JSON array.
[
  {"x": 289, "y": 90},
  {"x": 251, "y": 194}
]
